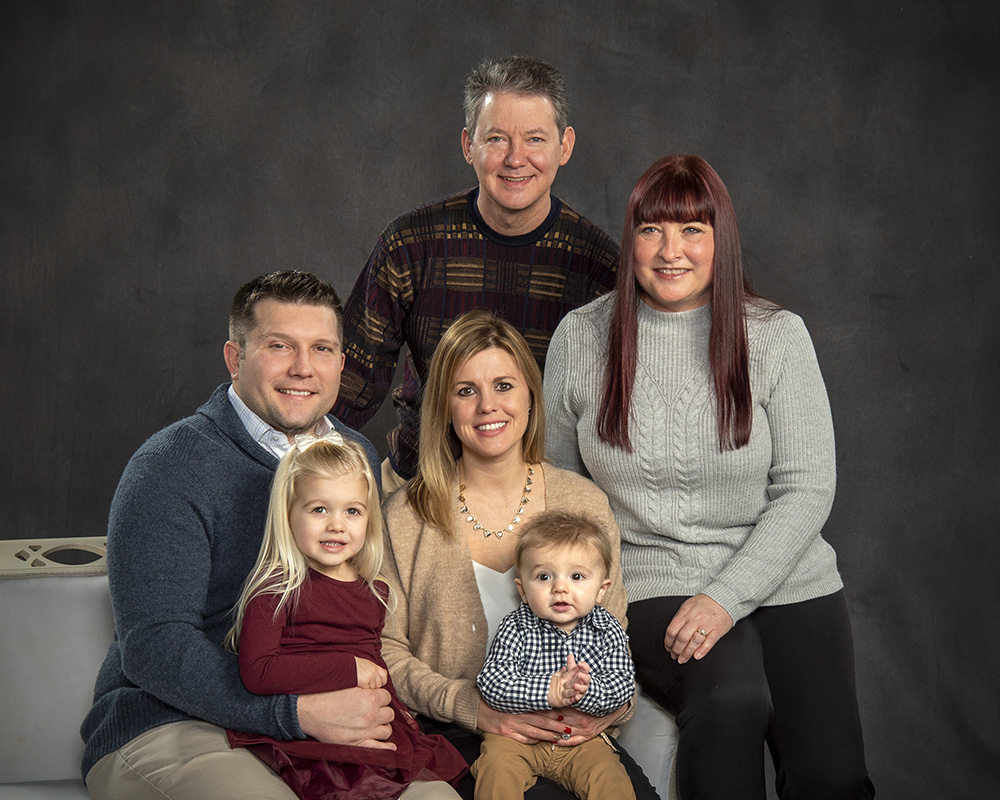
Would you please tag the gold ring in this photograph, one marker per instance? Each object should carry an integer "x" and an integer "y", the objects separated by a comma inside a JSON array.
[{"x": 702, "y": 631}]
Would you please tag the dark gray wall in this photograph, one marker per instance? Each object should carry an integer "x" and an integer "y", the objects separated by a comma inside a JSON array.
[{"x": 156, "y": 155}]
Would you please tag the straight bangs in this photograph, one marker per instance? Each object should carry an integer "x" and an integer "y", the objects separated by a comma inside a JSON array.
[{"x": 682, "y": 197}]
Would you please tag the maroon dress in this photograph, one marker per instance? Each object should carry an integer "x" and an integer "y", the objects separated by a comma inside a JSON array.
[{"x": 314, "y": 651}]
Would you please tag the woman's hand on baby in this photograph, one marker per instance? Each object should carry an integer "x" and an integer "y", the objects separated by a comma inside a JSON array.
[
  {"x": 698, "y": 624},
  {"x": 528, "y": 728},
  {"x": 370, "y": 676},
  {"x": 545, "y": 726},
  {"x": 581, "y": 727}
]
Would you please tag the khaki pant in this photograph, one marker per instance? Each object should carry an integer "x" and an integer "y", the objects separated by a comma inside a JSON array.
[
  {"x": 505, "y": 769},
  {"x": 193, "y": 761}
]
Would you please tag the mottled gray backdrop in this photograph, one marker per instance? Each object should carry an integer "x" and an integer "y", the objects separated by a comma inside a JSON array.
[{"x": 157, "y": 155}]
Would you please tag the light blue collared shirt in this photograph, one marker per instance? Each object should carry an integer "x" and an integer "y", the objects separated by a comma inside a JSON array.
[{"x": 274, "y": 441}]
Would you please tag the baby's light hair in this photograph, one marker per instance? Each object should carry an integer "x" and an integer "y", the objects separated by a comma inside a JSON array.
[
  {"x": 281, "y": 567},
  {"x": 563, "y": 529}
]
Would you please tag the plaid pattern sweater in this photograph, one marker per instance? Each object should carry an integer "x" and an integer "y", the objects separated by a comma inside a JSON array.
[{"x": 439, "y": 261}]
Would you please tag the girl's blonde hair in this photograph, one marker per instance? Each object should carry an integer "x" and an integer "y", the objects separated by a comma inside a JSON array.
[
  {"x": 431, "y": 492},
  {"x": 281, "y": 569}
]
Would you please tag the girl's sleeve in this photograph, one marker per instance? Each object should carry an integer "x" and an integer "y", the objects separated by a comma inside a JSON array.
[{"x": 267, "y": 667}]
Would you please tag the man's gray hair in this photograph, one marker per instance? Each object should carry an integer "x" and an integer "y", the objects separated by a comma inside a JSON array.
[{"x": 518, "y": 74}]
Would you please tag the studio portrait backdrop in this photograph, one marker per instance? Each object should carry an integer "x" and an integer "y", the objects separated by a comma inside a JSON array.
[{"x": 158, "y": 155}]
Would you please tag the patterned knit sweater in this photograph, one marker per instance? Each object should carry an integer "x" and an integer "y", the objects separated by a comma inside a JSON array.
[
  {"x": 439, "y": 261},
  {"x": 741, "y": 526}
]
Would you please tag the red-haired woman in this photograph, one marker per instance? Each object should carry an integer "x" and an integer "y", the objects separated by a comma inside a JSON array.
[{"x": 698, "y": 406}]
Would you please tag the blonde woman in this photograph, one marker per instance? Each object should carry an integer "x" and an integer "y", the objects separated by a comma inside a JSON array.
[
  {"x": 452, "y": 532},
  {"x": 310, "y": 619}
]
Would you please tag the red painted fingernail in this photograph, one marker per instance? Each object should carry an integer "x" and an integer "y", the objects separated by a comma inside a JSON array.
[
  {"x": 567, "y": 730},
  {"x": 560, "y": 718}
]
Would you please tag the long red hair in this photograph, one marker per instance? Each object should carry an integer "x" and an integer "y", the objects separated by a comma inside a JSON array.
[{"x": 683, "y": 188}]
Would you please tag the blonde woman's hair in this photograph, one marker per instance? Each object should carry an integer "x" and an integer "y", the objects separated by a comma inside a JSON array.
[
  {"x": 431, "y": 492},
  {"x": 281, "y": 568}
]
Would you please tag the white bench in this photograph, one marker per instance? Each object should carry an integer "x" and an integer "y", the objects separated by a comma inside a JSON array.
[{"x": 55, "y": 628}]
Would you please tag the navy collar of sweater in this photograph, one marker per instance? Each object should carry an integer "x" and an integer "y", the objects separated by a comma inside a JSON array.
[{"x": 514, "y": 241}]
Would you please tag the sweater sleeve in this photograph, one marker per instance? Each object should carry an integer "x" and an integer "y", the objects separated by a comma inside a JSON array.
[
  {"x": 269, "y": 668},
  {"x": 801, "y": 480},
  {"x": 159, "y": 569},
  {"x": 561, "y": 440},
  {"x": 373, "y": 332},
  {"x": 421, "y": 687}
]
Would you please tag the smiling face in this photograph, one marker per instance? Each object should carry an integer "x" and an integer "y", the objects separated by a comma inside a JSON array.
[
  {"x": 329, "y": 519},
  {"x": 288, "y": 372},
  {"x": 516, "y": 151},
  {"x": 673, "y": 264},
  {"x": 489, "y": 405},
  {"x": 562, "y": 583}
]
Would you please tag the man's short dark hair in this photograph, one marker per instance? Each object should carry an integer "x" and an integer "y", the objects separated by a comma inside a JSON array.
[
  {"x": 288, "y": 286},
  {"x": 520, "y": 75}
]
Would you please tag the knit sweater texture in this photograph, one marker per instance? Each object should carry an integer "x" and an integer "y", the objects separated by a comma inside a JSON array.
[
  {"x": 743, "y": 526},
  {"x": 435, "y": 640},
  {"x": 185, "y": 527},
  {"x": 439, "y": 261}
]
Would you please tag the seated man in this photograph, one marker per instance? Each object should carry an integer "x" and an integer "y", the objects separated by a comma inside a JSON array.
[
  {"x": 184, "y": 530},
  {"x": 508, "y": 245}
]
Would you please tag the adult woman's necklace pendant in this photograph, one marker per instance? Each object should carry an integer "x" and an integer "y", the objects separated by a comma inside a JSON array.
[{"x": 478, "y": 526}]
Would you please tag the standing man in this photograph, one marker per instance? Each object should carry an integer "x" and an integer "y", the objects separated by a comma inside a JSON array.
[
  {"x": 507, "y": 245},
  {"x": 185, "y": 527}
]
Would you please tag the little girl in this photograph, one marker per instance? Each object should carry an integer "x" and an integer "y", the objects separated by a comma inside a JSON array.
[{"x": 310, "y": 620}]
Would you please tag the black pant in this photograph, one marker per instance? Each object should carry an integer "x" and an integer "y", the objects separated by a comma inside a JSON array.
[
  {"x": 467, "y": 743},
  {"x": 783, "y": 675}
]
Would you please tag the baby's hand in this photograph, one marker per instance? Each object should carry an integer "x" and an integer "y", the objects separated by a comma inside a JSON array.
[
  {"x": 570, "y": 684},
  {"x": 370, "y": 676}
]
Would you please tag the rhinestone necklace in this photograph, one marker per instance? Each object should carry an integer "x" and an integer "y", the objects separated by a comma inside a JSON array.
[{"x": 478, "y": 526}]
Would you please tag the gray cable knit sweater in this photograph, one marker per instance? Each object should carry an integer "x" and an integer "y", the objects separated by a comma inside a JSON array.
[{"x": 741, "y": 526}]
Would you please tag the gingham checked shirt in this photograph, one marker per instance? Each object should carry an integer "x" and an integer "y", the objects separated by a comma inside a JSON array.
[{"x": 527, "y": 650}]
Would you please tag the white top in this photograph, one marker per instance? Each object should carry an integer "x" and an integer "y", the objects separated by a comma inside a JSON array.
[{"x": 499, "y": 596}]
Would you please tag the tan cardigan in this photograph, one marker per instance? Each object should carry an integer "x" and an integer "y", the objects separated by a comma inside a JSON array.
[{"x": 435, "y": 641}]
